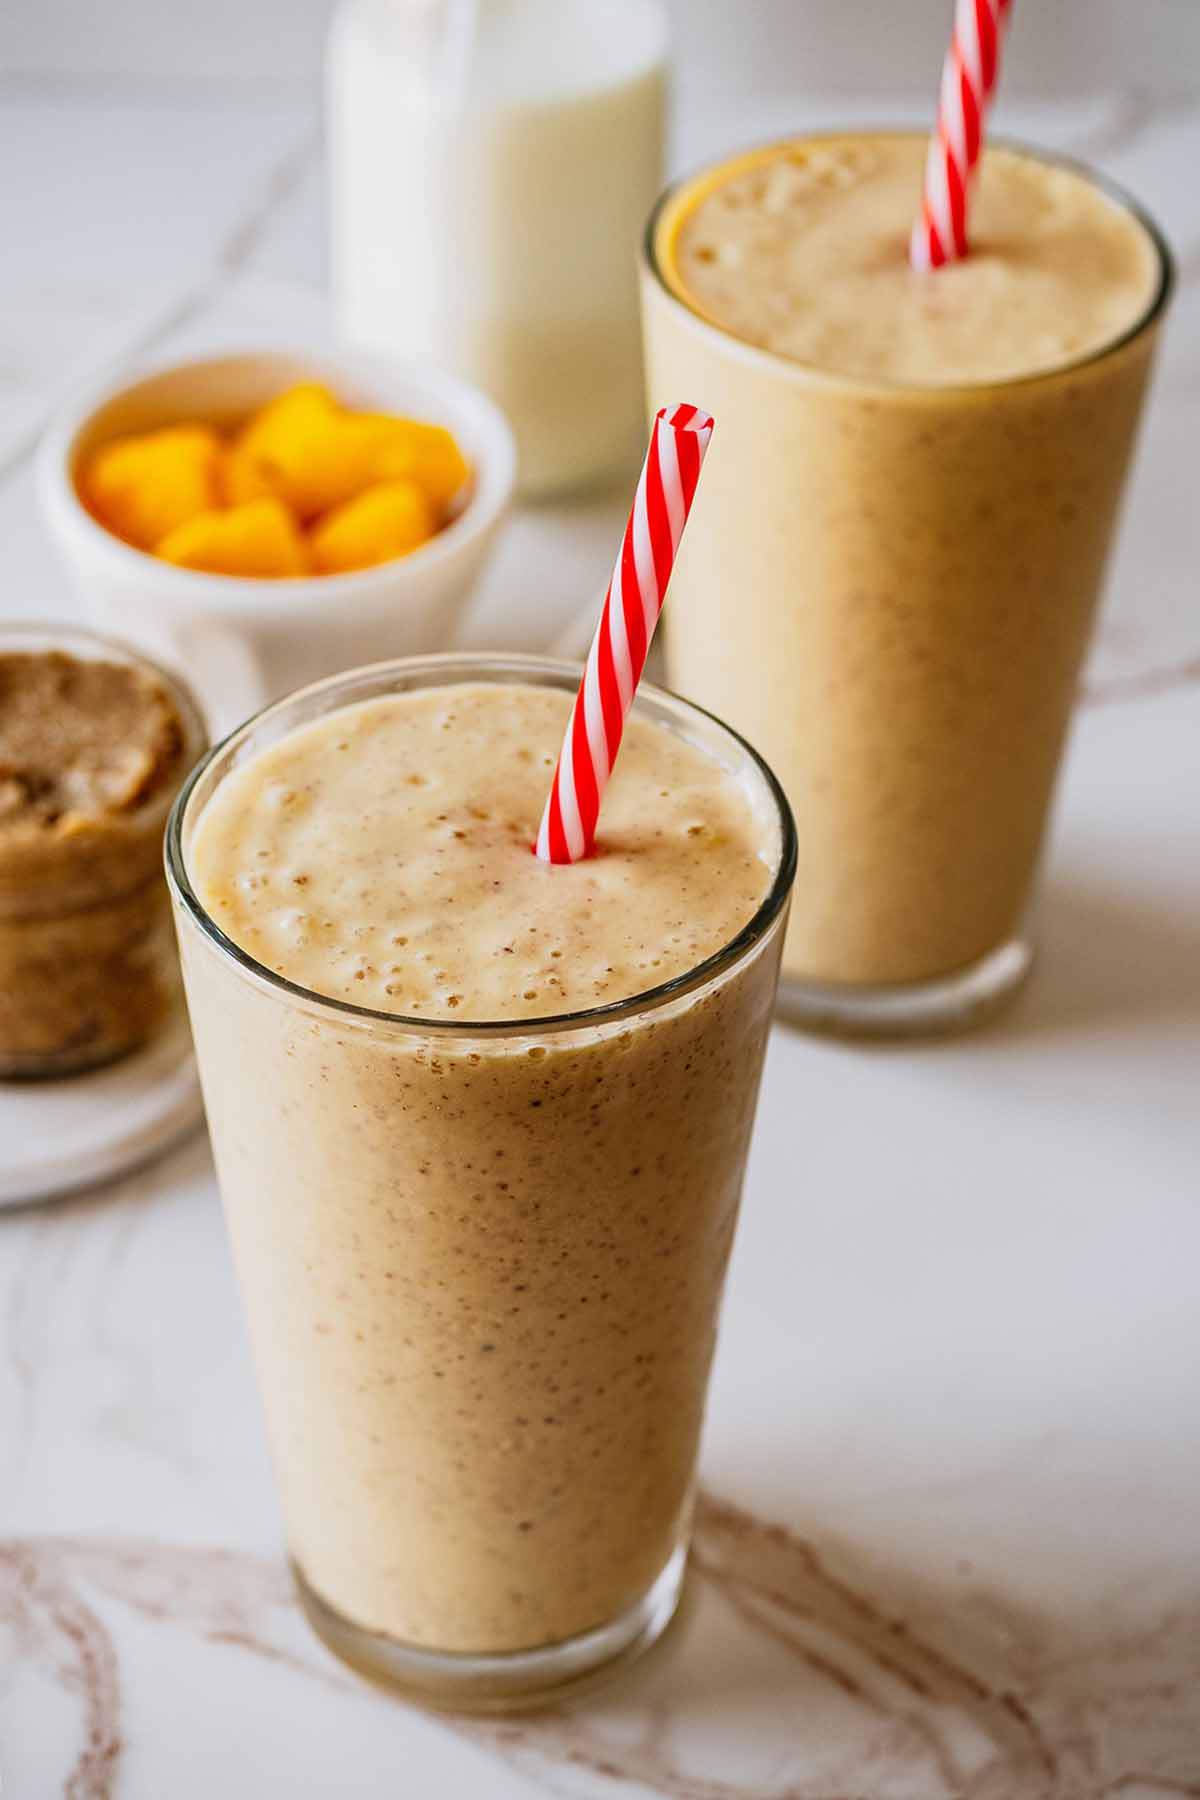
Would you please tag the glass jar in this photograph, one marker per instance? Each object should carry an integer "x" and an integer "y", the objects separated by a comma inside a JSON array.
[{"x": 88, "y": 967}]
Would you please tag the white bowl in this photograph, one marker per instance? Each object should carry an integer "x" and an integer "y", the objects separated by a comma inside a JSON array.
[{"x": 243, "y": 642}]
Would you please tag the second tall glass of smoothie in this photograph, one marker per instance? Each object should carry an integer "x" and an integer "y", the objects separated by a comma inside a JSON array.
[
  {"x": 908, "y": 508},
  {"x": 480, "y": 1126}
]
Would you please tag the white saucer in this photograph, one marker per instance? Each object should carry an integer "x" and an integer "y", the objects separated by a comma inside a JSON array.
[{"x": 57, "y": 1136}]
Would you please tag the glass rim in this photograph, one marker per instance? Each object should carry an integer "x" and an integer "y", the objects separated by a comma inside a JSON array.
[
  {"x": 513, "y": 666},
  {"x": 1113, "y": 190}
]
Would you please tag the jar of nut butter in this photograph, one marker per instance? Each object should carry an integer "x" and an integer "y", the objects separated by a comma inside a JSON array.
[{"x": 94, "y": 744}]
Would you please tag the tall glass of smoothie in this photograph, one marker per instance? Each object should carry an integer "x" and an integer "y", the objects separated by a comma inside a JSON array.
[
  {"x": 908, "y": 509},
  {"x": 480, "y": 1126}
]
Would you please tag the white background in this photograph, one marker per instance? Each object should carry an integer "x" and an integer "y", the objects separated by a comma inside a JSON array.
[{"x": 735, "y": 47}]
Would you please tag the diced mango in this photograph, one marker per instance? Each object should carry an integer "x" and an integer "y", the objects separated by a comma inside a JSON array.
[
  {"x": 309, "y": 451},
  {"x": 386, "y": 521},
  {"x": 144, "y": 487},
  {"x": 260, "y": 538},
  {"x": 371, "y": 486},
  {"x": 316, "y": 454},
  {"x": 426, "y": 453},
  {"x": 240, "y": 477}
]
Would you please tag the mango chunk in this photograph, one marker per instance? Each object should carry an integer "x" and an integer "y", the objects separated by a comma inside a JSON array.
[
  {"x": 428, "y": 454},
  {"x": 315, "y": 454},
  {"x": 144, "y": 487},
  {"x": 309, "y": 451},
  {"x": 240, "y": 477},
  {"x": 386, "y": 521},
  {"x": 259, "y": 538}
]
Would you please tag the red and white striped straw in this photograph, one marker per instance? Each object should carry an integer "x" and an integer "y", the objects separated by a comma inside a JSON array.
[
  {"x": 617, "y": 657},
  {"x": 968, "y": 82}
]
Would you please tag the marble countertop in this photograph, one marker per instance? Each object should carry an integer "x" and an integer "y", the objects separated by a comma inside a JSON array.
[{"x": 948, "y": 1541}]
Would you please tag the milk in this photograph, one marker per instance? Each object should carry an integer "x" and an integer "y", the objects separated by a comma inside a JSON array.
[{"x": 492, "y": 168}]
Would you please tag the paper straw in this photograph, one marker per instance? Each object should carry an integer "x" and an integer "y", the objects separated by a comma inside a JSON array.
[
  {"x": 665, "y": 491},
  {"x": 968, "y": 83}
]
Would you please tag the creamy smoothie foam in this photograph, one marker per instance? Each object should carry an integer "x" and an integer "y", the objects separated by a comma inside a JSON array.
[
  {"x": 908, "y": 506},
  {"x": 383, "y": 857},
  {"x": 481, "y": 1272},
  {"x": 803, "y": 250}
]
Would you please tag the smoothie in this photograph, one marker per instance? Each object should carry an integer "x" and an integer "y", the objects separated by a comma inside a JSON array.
[
  {"x": 482, "y": 1261},
  {"x": 908, "y": 509}
]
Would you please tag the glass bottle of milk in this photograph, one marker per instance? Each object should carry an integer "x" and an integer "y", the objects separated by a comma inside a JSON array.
[{"x": 493, "y": 163}]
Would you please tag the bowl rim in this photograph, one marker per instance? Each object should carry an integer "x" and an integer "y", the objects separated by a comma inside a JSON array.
[{"x": 72, "y": 523}]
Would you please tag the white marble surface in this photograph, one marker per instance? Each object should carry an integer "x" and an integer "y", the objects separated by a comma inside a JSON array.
[{"x": 949, "y": 1542}]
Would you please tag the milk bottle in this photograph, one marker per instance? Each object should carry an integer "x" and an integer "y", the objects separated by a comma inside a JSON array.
[{"x": 493, "y": 163}]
